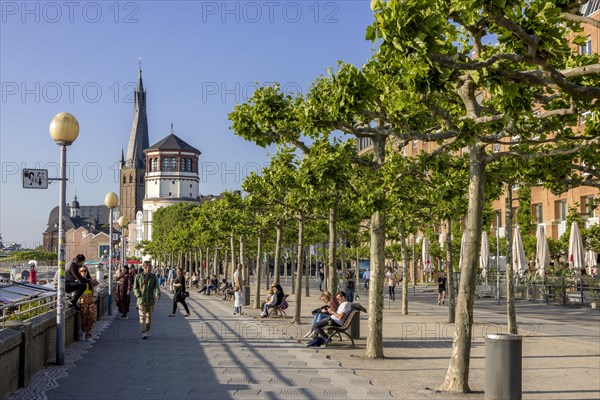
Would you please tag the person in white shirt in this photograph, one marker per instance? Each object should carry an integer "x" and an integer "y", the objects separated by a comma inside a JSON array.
[
  {"x": 238, "y": 290},
  {"x": 367, "y": 277},
  {"x": 336, "y": 318}
]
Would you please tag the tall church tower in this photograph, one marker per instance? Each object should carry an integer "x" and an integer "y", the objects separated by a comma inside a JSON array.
[{"x": 133, "y": 167}]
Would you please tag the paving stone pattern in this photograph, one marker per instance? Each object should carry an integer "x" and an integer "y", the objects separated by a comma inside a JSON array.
[{"x": 210, "y": 355}]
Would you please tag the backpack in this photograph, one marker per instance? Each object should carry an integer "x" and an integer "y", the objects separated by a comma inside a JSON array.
[{"x": 284, "y": 305}]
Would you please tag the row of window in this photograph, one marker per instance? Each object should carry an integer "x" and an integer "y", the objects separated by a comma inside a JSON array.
[
  {"x": 131, "y": 179},
  {"x": 561, "y": 211},
  {"x": 171, "y": 164}
]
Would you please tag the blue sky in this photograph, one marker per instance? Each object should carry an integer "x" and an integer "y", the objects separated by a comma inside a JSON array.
[{"x": 198, "y": 59}]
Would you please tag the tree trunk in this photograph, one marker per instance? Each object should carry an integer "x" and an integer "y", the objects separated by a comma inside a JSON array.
[
  {"x": 343, "y": 260},
  {"x": 279, "y": 229},
  {"x": 332, "y": 284},
  {"x": 245, "y": 276},
  {"x": 325, "y": 268},
  {"x": 216, "y": 270},
  {"x": 450, "y": 273},
  {"x": 233, "y": 254},
  {"x": 307, "y": 272},
  {"x": 510, "y": 287},
  {"x": 258, "y": 269},
  {"x": 267, "y": 272},
  {"x": 404, "y": 269},
  {"x": 299, "y": 263},
  {"x": 457, "y": 376},
  {"x": 377, "y": 232}
]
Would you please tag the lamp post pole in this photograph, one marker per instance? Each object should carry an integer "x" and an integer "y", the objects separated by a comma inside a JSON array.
[
  {"x": 414, "y": 272},
  {"x": 110, "y": 200},
  {"x": 64, "y": 129},
  {"x": 498, "y": 259},
  {"x": 123, "y": 223}
]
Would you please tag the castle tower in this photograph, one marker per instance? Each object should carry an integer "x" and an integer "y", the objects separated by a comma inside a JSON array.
[
  {"x": 133, "y": 167},
  {"x": 172, "y": 177}
]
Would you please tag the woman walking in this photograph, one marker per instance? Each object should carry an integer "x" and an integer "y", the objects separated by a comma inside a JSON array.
[
  {"x": 180, "y": 293},
  {"x": 87, "y": 303},
  {"x": 124, "y": 285}
]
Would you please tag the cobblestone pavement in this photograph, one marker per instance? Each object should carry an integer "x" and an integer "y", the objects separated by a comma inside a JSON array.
[{"x": 210, "y": 355}]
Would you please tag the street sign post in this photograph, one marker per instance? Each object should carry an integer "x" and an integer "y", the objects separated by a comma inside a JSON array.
[{"x": 35, "y": 179}]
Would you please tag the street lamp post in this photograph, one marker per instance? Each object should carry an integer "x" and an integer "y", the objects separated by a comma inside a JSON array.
[
  {"x": 123, "y": 223},
  {"x": 64, "y": 129},
  {"x": 111, "y": 200}
]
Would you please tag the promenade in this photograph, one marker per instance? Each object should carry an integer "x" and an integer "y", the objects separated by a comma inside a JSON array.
[{"x": 215, "y": 355}]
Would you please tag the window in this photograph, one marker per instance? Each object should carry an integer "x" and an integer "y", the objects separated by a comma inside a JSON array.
[
  {"x": 562, "y": 210},
  {"x": 539, "y": 213},
  {"x": 584, "y": 116},
  {"x": 415, "y": 143},
  {"x": 83, "y": 212},
  {"x": 182, "y": 164},
  {"x": 189, "y": 165},
  {"x": 499, "y": 219},
  {"x": 587, "y": 47},
  {"x": 589, "y": 207},
  {"x": 169, "y": 164},
  {"x": 496, "y": 147}
]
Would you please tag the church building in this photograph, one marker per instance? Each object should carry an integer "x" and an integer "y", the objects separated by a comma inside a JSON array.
[{"x": 155, "y": 176}]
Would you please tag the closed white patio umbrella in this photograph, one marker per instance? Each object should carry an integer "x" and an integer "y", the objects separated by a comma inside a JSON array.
[
  {"x": 576, "y": 253},
  {"x": 484, "y": 257},
  {"x": 519, "y": 261},
  {"x": 425, "y": 257},
  {"x": 542, "y": 252},
  {"x": 591, "y": 258}
]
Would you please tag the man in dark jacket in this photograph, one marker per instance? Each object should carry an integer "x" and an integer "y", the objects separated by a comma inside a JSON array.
[{"x": 75, "y": 282}]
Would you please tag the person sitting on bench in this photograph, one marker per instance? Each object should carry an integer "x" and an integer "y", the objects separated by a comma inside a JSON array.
[
  {"x": 275, "y": 301},
  {"x": 75, "y": 282},
  {"x": 336, "y": 318}
]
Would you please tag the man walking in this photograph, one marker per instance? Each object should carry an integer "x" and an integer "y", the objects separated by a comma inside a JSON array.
[{"x": 147, "y": 291}]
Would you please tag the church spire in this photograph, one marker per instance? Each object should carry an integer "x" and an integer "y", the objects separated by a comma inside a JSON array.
[{"x": 138, "y": 138}]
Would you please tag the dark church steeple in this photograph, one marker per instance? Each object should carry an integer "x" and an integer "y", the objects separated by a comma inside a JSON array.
[
  {"x": 133, "y": 165},
  {"x": 138, "y": 138}
]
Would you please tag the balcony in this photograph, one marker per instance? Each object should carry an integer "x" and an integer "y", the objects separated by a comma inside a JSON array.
[{"x": 591, "y": 222}]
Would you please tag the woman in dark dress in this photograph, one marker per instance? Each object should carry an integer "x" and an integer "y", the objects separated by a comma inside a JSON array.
[
  {"x": 124, "y": 284},
  {"x": 179, "y": 296}
]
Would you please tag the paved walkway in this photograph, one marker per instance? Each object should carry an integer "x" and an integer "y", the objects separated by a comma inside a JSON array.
[
  {"x": 210, "y": 355},
  {"x": 214, "y": 355}
]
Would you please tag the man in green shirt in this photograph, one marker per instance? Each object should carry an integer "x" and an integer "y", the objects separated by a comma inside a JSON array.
[{"x": 147, "y": 291}]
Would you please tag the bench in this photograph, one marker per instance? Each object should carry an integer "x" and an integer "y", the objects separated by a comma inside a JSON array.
[
  {"x": 484, "y": 291},
  {"x": 339, "y": 330},
  {"x": 575, "y": 298},
  {"x": 277, "y": 311}
]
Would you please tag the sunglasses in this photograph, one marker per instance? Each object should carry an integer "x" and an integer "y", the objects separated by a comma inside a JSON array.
[{"x": 83, "y": 270}]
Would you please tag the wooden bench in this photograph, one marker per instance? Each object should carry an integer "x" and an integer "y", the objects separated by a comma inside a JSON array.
[
  {"x": 484, "y": 291},
  {"x": 339, "y": 330},
  {"x": 575, "y": 298},
  {"x": 277, "y": 311}
]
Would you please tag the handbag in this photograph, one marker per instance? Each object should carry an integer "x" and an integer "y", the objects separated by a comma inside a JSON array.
[{"x": 184, "y": 294}]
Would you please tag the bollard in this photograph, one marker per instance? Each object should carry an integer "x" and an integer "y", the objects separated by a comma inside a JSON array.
[
  {"x": 355, "y": 326},
  {"x": 246, "y": 295},
  {"x": 503, "y": 369}
]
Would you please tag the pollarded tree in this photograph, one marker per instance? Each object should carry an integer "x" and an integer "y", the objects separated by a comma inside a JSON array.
[{"x": 439, "y": 48}]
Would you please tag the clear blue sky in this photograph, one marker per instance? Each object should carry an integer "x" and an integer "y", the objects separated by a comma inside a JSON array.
[{"x": 198, "y": 59}]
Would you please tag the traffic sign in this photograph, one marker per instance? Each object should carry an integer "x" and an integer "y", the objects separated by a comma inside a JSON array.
[{"x": 35, "y": 179}]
